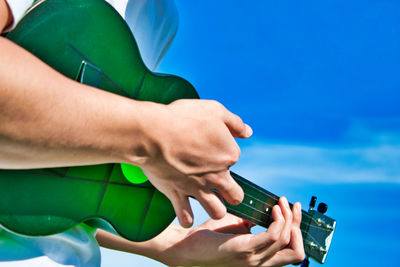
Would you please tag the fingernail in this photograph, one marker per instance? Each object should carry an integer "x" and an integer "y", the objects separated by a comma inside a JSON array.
[
  {"x": 236, "y": 202},
  {"x": 187, "y": 221},
  {"x": 298, "y": 208},
  {"x": 248, "y": 224},
  {"x": 285, "y": 202},
  {"x": 248, "y": 131},
  {"x": 239, "y": 197}
]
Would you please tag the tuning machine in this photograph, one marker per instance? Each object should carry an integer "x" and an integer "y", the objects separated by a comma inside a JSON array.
[{"x": 319, "y": 235}]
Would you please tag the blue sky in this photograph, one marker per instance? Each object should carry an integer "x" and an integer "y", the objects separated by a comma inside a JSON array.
[{"x": 319, "y": 83}]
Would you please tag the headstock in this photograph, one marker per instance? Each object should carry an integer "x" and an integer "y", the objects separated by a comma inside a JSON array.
[{"x": 317, "y": 232}]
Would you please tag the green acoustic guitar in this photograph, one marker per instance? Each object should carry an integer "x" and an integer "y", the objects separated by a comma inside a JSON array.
[{"x": 74, "y": 37}]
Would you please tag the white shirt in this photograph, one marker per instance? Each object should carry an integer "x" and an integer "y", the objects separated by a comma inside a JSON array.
[{"x": 154, "y": 24}]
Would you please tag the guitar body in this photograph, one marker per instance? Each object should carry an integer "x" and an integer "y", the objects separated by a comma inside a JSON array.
[{"x": 88, "y": 41}]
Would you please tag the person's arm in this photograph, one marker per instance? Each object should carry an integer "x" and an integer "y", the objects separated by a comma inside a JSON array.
[
  {"x": 226, "y": 242},
  {"x": 49, "y": 120},
  {"x": 5, "y": 15}
]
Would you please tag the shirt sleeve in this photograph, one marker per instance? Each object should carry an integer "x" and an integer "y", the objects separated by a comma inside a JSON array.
[
  {"x": 18, "y": 9},
  {"x": 154, "y": 24},
  {"x": 75, "y": 247}
]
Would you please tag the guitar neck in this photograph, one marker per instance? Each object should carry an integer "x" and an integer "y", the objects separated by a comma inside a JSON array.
[
  {"x": 257, "y": 204},
  {"x": 256, "y": 207}
]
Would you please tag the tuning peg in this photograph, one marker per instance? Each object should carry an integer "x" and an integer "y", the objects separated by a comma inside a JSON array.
[
  {"x": 305, "y": 263},
  {"x": 313, "y": 201},
  {"x": 322, "y": 208}
]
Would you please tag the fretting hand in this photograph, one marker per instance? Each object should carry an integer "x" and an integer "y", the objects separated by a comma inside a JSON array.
[{"x": 222, "y": 243}]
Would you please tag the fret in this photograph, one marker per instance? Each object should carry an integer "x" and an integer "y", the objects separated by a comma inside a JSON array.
[
  {"x": 256, "y": 207},
  {"x": 258, "y": 203}
]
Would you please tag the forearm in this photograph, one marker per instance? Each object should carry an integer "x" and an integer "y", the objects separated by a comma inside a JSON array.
[
  {"x": 49, "y": 120},
  {"x": 155, "y": 248}
]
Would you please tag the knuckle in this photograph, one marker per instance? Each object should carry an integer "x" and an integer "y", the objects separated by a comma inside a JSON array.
[
  {"x": 201, "y": 194},
  {"x": 285, "y": 240},
  {"x": 233, "y": 155},
  {"x": 209, "y": 179},
  {"x": 217, "y": 104},
  {"x": 299, "y": 255},
  {"x": 214, "y": 104},
  {"x": 289, "y": 216},
  {"x": 274, "y": 237},
  {"x": 280, "y": 220},
  {"x": 236, "y": 152},
  {"x": 220, "y": 183}
]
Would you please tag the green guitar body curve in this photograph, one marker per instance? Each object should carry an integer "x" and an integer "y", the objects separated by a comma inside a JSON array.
[{"x": 87, "y": 40}]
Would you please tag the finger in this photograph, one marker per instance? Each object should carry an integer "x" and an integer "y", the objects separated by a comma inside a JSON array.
[
  {"x": 229, "y": 189},
  {"x": 288, "y": 216},
  {"x": 212, "y": 204},
  {"x": 284, "y": 239},
  {"x": 296, "y": 214},
  {"x": 242, "y": 227},
  {"x": 236, "y": 125},
  {"x": 295, "y": 252},
  {"x": 228, "y": 219},
  {"x": 266, "y": 239},
  {"x": 285, "y": 257},
  {"x": 230, "y": 224},
  {"x": 296, "y": 240},
  {"x": 182, "y": 210}
]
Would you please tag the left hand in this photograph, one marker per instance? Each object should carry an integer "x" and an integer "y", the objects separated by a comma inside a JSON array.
[{"x": 226, "y": 242}]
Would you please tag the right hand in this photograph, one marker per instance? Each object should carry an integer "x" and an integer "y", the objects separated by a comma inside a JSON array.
[{"x": 194, "y": 148}]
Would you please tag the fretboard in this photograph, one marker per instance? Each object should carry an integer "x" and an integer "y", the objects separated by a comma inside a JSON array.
[{"x": 257, "y": 205}]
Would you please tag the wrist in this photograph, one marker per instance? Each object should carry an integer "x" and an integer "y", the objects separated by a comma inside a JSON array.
[
  {"x": 156, "y": 248},
  {"x": 161, "y": 248},
  {"x": 139, "y": 134}
]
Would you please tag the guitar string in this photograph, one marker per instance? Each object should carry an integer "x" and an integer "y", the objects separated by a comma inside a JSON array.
[
  {"x": 260, "y": 222},
  {"x": 270, "y": 206},
  {"x": 262, "y": 212},
  {"x": 268, "y": 194},
  {"x": 307, "y": 215}
]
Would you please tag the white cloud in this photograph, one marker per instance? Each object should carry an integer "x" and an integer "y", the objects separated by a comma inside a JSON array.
[
  {"x": 35, "y": 262},
  {"x": 378, "y": 162}
]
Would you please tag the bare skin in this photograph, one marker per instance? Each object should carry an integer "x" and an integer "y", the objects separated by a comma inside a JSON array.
[
  {"x": 222, "y": 243},
  {"x": 48, "y": 120}
]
